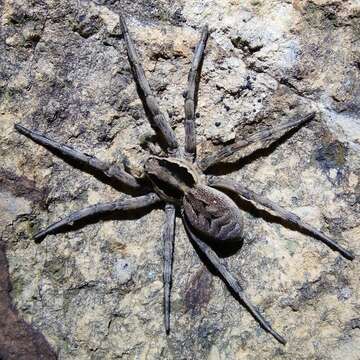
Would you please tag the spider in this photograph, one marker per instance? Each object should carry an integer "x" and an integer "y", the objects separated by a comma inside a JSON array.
[{"x": 179, "y": 181}]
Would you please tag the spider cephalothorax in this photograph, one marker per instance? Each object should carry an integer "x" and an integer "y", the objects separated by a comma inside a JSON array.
[
  {"x": 209, "y": 211},
  {"x": 171, "y": 177},
  {"x": 178, "y": 180}
]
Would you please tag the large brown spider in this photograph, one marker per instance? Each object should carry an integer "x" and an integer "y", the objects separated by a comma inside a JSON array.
[{"x": 179, "y": 180}]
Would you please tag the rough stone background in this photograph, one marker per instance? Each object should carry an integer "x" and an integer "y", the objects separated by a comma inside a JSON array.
[{"x": 96, "y": 292}]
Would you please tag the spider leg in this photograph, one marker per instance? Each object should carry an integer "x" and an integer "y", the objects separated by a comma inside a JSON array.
[
  {"x": 168, "y": 236},
  {"x": 98, "y": 209},
  {"x": 220, "y": 266},
  {"x": 263, "y": 138},
  {"x": 191, "y": 95},
  {"x": 284, "y": 214},
  {"x": 157, "y": 118},
  {"x": 111, "y": 171}
]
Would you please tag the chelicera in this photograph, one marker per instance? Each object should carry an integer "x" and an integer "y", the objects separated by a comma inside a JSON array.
[{"x": 178, "y": 180}]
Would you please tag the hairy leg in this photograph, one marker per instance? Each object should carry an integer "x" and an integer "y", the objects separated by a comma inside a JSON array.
[
  {"x": 262, "y": 138},
  {"x": 99, "y": 209},
  {"x": 191, "y": 95},
  {"x": 157, "y": 118},
  {"x": 284, "y": 214},
  {"x": 111, "y": 171},
  {"x": 168, "y": 236},
  {"x": 220, "y": 266}
]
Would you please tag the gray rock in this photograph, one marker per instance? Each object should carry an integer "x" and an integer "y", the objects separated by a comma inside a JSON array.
[{"x": 96, "y": 292}]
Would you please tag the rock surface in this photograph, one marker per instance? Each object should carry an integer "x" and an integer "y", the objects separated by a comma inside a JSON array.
[{"x": 96, "y": 292}]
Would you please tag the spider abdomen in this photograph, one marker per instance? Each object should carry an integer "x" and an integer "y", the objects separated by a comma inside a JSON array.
[{"x": 213, "y": 214}]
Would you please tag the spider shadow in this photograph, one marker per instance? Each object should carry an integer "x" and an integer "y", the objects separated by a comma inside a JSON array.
[
  {"x": 101, "y": 176},
  {"x": 222, "y": 250},
  {"x": 215, "y": 272},
  {"x": 250, "y": 208},
  {"x": 110, "y": 216},
  {"x": 225, "y": 168}
]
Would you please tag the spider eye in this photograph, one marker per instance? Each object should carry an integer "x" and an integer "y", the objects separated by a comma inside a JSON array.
[{"x": 213, "y": 214}]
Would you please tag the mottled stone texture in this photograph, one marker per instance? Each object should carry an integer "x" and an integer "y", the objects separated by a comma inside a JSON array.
[{"x": 96, "y": 292}]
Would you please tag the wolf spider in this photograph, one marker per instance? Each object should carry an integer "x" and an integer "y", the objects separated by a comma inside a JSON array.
[{"x": 178, "y": 180}]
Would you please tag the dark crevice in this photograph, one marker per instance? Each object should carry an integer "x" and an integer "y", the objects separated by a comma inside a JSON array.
[
  {"x": 198, "y": 291},
  {"x": 18, "y": 339}
]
